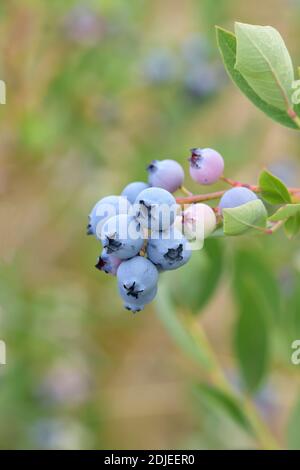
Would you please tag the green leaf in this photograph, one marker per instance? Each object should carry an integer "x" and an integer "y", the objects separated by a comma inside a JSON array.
[
  {"x": 238, "y": 220},
  {"x": 285, "y": 212},
  {"x": 264, "y": 61},
  {"x": 251, "y": 340},
  {"x": 193, "y": 285},
  {"x": 290, "y": 213},
  {"x": 227, "y": 45},
  {"x": 251, "y": 269},
  {"x": 257, "y": 295},
  {"x": 273, "y": 190},
  {"x": 293, "y": 431},
  {"x": 228, "y": 404},
  {"x": 292, "y": 226},
  {"x": 291, "y": 318}
]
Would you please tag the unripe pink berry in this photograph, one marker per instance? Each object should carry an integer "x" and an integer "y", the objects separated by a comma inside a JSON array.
[{"x": 206, "y": 165}]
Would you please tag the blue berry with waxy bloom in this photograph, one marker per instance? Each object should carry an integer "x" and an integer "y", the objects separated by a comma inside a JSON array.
[
  {"x": 108, "y": 263},
  {"x": 136, "y": 277},
  {"x": 166, "y": 174},
  {"x": 103, "y": 210},
  {"x": 155, "y": 209},
  {"x": 168, "y": 250},
  {"x": 236, "y": 197},
  {"x": 206, "y": 165},
  {"x": 122, "y": 236},
  {"x": 136, "y": 304},
  {"x": 132, "y": 190}
]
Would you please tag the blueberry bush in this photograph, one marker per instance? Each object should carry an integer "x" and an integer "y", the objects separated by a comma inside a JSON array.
[{"x": 147, "y": 230}]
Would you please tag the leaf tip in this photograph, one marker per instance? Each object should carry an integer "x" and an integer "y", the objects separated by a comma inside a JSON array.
[{"x": 238, "y": 25}]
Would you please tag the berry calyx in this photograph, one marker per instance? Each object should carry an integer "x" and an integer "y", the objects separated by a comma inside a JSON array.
[
  {"x": 168, "y": 250},
  {"x": 137, "y": 282},
  {"x": 108, "y": 263},
  {"x": 121, "y": 236},
  {"x": 155, "y": 209}
]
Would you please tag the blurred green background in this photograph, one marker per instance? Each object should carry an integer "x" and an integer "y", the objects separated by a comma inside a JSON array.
[{"x": 95, "y": 91}]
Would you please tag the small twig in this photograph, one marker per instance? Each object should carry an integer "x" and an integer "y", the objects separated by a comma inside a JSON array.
[
  {"x": 186, "y": 191},
  {"x": 199, "y": 197},
  {"x": 235, "y": 184},
  {"x": 190, "y": 199}
]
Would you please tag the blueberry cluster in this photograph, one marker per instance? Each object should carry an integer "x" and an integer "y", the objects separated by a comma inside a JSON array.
[
  {"x": 144, "y": 231},
  {"x": 139, "y": 238}
]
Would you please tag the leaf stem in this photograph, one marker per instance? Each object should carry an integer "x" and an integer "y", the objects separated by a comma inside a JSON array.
[
  {"x": 276, "y": 226},
  {"x": 294, "y": 117}
]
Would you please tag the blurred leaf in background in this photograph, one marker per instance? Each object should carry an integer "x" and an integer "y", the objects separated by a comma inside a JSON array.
[{"x": 196, "y": 283}]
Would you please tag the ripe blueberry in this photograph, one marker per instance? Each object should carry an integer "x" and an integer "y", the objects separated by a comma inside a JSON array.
[
  {"x": 166, "y": 174},
  {"x": 206, "y": 165},
  {"x": 103, "y": 210},
  {"x": 137, "y": 304},
  {"x": 236, "y": 197},
  {"x": 132, "y": 190},
  {"x": 155, "y": 209},
  {"x": 168, "y": 250},
  {"x": 136, "y": 277},
  {"x": 122, "y": 237}
]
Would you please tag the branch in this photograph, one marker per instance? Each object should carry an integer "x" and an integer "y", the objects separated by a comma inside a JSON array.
[{"x": 218, "y": 194}]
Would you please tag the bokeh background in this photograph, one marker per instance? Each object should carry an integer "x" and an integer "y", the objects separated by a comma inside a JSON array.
[{"x": 95, "y": 91}]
